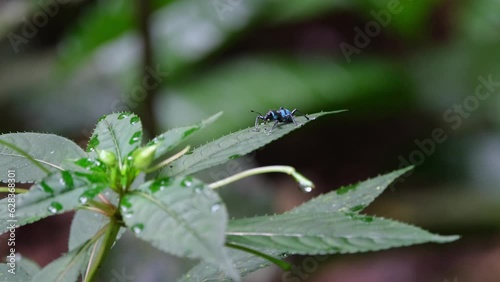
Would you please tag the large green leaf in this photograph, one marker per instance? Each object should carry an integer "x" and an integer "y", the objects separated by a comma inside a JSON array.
[
  {"x": 232, "y": 146},
  {"x": 55, "y": 194},
  {"x": 20, "y": 274},
  {"x": 244, "y": 262},
  {"x": 66, "y": 268},
  {"x": 182, "y": 217},
  {"x": 48, "y": 150},
  {"x": 326, "y": 233},
  {"x": 168, "y": 140},
  {"x": 352, "y": 198},
  {"x": 119, "y": 133}
]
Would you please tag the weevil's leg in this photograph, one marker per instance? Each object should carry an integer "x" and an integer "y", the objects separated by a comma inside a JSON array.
[
  {"x": 295, "y": 110},
  {"x": 274, "y": 125},
  {"x": 257, "y": 122}
]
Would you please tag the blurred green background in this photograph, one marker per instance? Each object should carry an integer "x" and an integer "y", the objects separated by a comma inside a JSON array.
[{"x": 421, "y": 80}]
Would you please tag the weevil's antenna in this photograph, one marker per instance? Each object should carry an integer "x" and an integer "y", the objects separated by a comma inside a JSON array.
[{"x": 255, "y": 112}]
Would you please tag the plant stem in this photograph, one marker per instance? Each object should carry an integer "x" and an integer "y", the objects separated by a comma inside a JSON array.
[
  {"x": 107, "y": 242},
  {"x": 18, "y": 190},
  {"x": 304, "y": 183},
  {"x": 167, "y": 161},
  {"x": 147, "y": 111},
  {"x": 282, "y": 264}
]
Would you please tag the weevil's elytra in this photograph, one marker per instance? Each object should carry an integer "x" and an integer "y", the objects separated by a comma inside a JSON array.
[{"x": 280, "y": 115}]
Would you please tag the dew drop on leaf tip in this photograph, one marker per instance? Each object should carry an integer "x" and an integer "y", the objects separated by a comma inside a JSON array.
[{"x": 305, "y": 188}]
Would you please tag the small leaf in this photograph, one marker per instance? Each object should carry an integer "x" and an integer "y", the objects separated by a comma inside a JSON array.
[
  {"x": 66, "y": 268},
  {"x": 182, "y": 217},
  {"x": 326, "y": 233},
  {"x": 226, "y": 147},
  {"x": 168, "y": 140},
  {"x": 48, "y": 150},
  {"x": 352, "y": 198},
  {"x": 119, "y": 133},
  {"x": 51, "y": 196}
]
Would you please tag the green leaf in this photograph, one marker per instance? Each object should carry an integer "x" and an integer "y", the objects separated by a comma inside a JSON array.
[
  {"x": 244, "y": 262},
  {"x": 120, "y": 133},
  {"x": 20, "y": 274},
  {"x": 29, "y": 266},
  {"x": 53, "y": 195},
  {"x": 326, "y": 233},
  {"x": 66, "y": 268},
  {"x": 49, "y": 150},
  {"x": 232, "y": 145},
  {"x": 168, "y": 140},
  {"x": 182, "y": 217},
  {"x": 352, "y": 198}
]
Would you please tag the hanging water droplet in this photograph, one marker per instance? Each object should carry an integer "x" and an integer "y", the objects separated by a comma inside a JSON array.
[
  {"x": 55, "y": 207},
  {"x": 135, "y": 120},
  {"x": 138, "y": 228},
  {"x": 135, "y": 138},
  {"x": 187, "y": 182},
  {"x": 305, "y": 188},
  {"x": 215, "y": 207}
]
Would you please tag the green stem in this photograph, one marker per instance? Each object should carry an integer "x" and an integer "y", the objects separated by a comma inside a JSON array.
[
  {"x": 108, "y": 241},
  {"x": 304, "y": 183},
  {"x": 17, "y": 190},
  {"x": 26, "y": 155},
  {"x": 282, "y": 264}
]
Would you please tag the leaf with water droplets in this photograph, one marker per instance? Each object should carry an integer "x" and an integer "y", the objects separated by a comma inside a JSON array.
[
  {"x": 173, "y": 137},
  {"x": 49, "y": 150},
  {"x": 326, "y": 233},
  {"x": 180, "y": 216},
  {"x": 21, "y": 274},
  {"x": 238, "y": 143},
  {"x": 51, "y": 196},
  {"x": 356, "y": 196},
  {"x": 119, "y": 133}
]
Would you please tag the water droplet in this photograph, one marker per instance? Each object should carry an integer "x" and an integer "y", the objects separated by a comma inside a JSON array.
[
  {"x": 55, "y": 207},
  {"x": 357, "y": 208},
  {"x": 46, "y": 188},
  {"x": 135, "y": 138},
  {"x": 94, "y": 142},
  {"x": 234, "y": 157},
  {"x": 138, "y": 228},
  {"x": 378, "y": 187},
  {"x": 160, "y": 185},
  {"x": 67, "y": 180},
  {"x": 305, "y": 188},
  {"x": 135, "y": 120},
  {"x": 123, "y": 115},
  {"x": 83, "y": 199},
  {"x": 51, "y": 152},
  {"x": 215, "y": 207},
  {"x": 187, "y": 182},
  {"x": 190, "y": 131},
  {"x": 84, "y": 162}
]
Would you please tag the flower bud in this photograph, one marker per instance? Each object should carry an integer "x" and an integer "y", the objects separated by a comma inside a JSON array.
[
  {"x": 107, "y": 157},
  {"x": 143, "y": 157}
]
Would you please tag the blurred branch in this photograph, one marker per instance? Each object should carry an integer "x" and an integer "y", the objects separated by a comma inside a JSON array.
[{"x": 147, "y": 109}]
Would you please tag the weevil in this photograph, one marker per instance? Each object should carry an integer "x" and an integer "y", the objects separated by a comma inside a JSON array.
[{"x": 280, "y": 115}]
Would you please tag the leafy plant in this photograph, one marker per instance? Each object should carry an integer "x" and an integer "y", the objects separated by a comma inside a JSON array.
[{"x": 119, "y": 184}]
